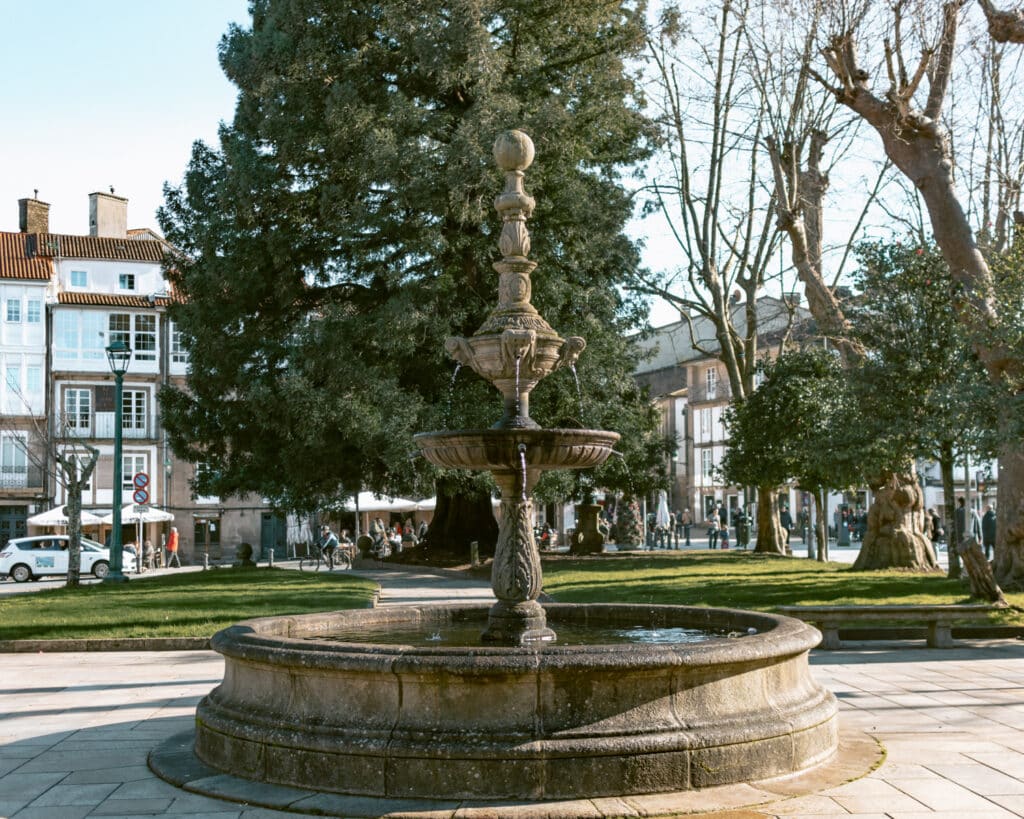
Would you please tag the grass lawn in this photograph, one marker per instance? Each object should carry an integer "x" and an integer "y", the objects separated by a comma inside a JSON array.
[
  {"x": 745, "y": 580},
  {"x": 192, "y": 604}
]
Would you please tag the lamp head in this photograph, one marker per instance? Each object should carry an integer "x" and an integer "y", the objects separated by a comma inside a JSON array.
[{"x": 119, "y": 355}]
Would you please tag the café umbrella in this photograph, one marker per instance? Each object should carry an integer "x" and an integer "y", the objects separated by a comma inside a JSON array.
[{"x": 58, "y": 516}]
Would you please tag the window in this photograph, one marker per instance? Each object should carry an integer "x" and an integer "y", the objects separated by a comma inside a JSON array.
[
  {"x": 79, "y": 335},
  {"x": 129, "y": 466},
  {"x": 12, "y": 377},
  {"x": 705, "y": 424},
  {"x": 120, "y": 326},
  {"x": 14, "y": 309},
  {"x": 13, "y": 460},
  {"x": 178, "y": 353},
  {"x": 133, "y": 409},
  {"x": 138, "y": 332},
  {"x": 33, "y": 380},
  {"x": 145, "y": 338},
  {"x": 33, "y": 311},
  {"x": 79, "y": 278},
  {"x": 711, "y": 380},
  {"x": 126, "y": 281},
  {"x": 77, "y": 408},
  {"x": 707, "y": 463}
]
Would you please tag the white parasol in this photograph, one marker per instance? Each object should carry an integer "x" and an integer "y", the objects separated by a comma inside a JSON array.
[
  {"x": 370, "y": 502},
  {"x": 152, "y": 514},
  {"x": 58, "y": 516},
  {"x": 662, "y": 519}
]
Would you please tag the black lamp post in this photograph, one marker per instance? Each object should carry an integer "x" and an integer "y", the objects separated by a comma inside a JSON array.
[{"x": 119, "y": 355}]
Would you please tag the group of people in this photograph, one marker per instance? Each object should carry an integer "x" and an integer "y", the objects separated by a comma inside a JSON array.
[
  {"x": 981, "y": 527},
  {"x": 150, "y": 553},
  {"x": 681, "y": 522}
]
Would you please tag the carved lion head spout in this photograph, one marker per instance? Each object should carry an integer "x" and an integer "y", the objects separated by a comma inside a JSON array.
[
  {"x": 571, "y": 350},
  {"x": 458, "y": 349},
  {"x": 518, "y": 345}
]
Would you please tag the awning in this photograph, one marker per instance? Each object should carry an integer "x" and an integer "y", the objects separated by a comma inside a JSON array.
[{"x": 58, "y": 517}]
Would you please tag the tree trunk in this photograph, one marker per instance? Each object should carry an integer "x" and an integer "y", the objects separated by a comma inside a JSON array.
[
  {"x": 73, "y": 491},
  {"x": 821, "y": 524},
  {"x": 949, "y": 510},
  {"x": 460, "y": 519},
  {"x": 979, "y": 572},
  {"x": 895, "y": 535},
  {"x": 770, "y": 536},
  {"x": 1009, "y": 555}
]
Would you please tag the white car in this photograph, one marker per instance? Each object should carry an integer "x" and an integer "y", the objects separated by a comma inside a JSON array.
[{"x": 28, "y": 558}]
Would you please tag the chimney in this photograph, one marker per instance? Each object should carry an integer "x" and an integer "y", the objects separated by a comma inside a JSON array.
[
  {"x": 33, "y": 215},
  {"x": 108, "y": 215}
]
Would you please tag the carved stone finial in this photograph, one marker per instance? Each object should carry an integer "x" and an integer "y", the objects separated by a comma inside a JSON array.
[{"x": 513, "y": 151}]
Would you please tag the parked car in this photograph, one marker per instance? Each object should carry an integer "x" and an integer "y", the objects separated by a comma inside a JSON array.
[{"x": 29, "y": 558}]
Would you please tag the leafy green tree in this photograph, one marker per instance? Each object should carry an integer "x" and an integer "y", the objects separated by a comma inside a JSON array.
[
  {"x": 342, "y": 230},
  {"x": 793, "y": 427},
  {"x": 922, "y": 391}
]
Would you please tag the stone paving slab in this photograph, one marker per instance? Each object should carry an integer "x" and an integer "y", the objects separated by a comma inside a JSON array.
[{"x": 75, "y": 729}]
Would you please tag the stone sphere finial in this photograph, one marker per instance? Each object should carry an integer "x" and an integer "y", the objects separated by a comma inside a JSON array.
[{"x": 513, "y": 151}]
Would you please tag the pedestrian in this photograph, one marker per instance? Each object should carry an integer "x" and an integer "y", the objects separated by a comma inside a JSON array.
[
  {"x": 687, "y": 523},
  {"x": 148, "y": 555},
  {"x": 172, "y": 549},
  {"x": 988, "y": 531},
  {"x": 422, "y": 532},
  {"x": 713, "y": 527},
  {"x": 723, "y": 536},
  {"x": 742, "y": 528},
  {"x": 962, "y": 532},
  {"x": 936, "y": 530},
  {"x": 786, "y": 520}
]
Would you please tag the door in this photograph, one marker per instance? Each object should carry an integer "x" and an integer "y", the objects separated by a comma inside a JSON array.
[
  {"x": 12, "y": 523},
  {"x": 207, "y": 537},
  {"x": 272, "y": 536}
]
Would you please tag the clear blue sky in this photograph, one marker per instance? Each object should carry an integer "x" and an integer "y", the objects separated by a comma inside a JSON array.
[{"x": 107, "y": 92}]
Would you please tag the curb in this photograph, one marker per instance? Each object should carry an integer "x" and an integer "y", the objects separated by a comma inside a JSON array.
[{"x": 106, "y": 644}]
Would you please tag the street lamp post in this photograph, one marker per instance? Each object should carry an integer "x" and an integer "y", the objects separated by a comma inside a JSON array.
[{"x": 119, "y": 355}]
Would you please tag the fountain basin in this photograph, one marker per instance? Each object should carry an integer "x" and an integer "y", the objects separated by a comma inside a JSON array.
[
  {"x": 498, "y": 450},
  {"x": 501, "y": 722}
]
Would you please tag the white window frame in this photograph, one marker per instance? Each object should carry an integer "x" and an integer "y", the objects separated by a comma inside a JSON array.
[
  {"x": 144, "y": 346},
  {"x": 179, "y": 355},
  {"x": 12, "y": 313},
  {"x": 125, "y": 281},
  {"x": 72, "y": 416},
  {"x": 705, "y": 424},
  {"x": 13, "y": 454},
  {"x": 83, "y": 275},
  {"x": 131, "y": 462},
  {"x": 134, "y": 404},
  {"x": 34, "y": 311},
  {"x": 707, "y": 463},
  {"x": 711, "y": 382}
]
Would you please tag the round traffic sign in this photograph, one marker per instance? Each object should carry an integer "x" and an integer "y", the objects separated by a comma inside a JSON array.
[
  {"x": 140, "y": 480},
  {"x": 140, "y": 496}
]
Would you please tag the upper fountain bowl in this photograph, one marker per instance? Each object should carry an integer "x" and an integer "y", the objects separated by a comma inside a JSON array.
[{"x": 500, "y": 450}]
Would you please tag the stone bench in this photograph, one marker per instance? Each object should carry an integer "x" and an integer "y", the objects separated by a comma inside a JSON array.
[{"x": 939, "y": 619}]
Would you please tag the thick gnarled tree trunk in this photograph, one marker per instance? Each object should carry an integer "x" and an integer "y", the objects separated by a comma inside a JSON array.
[
  {"x": 770, "y": 536},
  {"x": 895, "y": 535}
]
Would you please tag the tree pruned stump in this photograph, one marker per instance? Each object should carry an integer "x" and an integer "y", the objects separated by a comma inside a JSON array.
[{"x": 979, "y": 572}]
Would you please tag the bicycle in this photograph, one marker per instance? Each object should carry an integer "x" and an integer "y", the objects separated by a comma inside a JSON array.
[{"x": 314, "y": 562}]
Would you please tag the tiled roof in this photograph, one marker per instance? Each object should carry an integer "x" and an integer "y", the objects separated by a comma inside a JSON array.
[
  {"x": 15, "y": 261},
  {"x": 96, "y": 247},
  {"x": 111, "y": 300}
]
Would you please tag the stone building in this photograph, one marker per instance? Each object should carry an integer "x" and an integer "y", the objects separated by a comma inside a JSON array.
[
  {"x": 690, "y": 385},
  {"x": 76, "y": 294}
]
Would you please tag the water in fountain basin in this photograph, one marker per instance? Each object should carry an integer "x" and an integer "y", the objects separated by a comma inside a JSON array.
[{"x": 467, "y": 634}]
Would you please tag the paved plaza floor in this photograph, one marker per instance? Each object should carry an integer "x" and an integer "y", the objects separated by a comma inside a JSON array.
[{"x": 76, "y": 728}]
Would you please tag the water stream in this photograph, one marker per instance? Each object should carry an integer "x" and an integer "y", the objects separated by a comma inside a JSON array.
[
  {"x": 522, "y": 466},
  {"x": 579, "y": 391},
  {"x": 451, "y": 395}
]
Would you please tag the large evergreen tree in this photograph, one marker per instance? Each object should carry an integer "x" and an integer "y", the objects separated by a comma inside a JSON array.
[{"x": 343, "y": 229}]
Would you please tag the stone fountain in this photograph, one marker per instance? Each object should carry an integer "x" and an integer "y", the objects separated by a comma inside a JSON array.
[
  {"x": 514, "y": 350},
  {"x": 316, "y": 704}
]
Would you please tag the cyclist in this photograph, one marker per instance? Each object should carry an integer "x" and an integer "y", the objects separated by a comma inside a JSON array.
[{"x": 328, "y": 543}]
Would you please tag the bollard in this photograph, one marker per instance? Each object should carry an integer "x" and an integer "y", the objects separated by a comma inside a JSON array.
[
  {"x": 206, "y": 561},
  {"x": 270, "y": 560},
  {"x": 474, "y": 553}
]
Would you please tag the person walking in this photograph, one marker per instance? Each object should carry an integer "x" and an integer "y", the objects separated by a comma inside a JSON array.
[
  {"x": 687, "y": 520},
  {"x": 172, "y": 549},
  {"x": 988, "y": 531},
  {"x": 713, "y": 529},
  {"x": 786, "y": 520}
]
